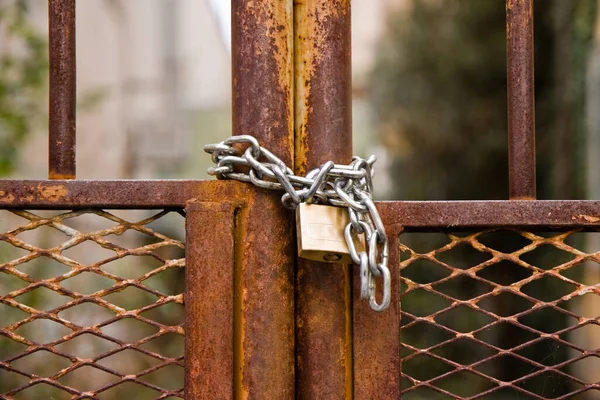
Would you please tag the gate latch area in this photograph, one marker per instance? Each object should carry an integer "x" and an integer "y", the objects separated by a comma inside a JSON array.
[{"x": 345, "y": 212}]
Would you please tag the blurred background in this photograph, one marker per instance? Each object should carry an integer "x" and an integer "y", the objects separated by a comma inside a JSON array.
[
  {"x": 428, "y": 77},
  {"x": 154, "y": 85},
  {"x": 429, "y": 99}
]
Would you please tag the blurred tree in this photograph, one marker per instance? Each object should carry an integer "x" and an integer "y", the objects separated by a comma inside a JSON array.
[
  {"x": 439, "y": 88},
  {"x": 23, "y": 78}
]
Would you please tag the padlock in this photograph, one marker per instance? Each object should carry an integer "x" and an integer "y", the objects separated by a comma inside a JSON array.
[{"x": 320, "y": 232}]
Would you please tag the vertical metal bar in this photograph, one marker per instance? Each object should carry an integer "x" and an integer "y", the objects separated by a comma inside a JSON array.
[
  {"x": 323, "y": 132},
  {"x": 521, "y": 102},
  {"x": 209, "y": 301},
  {"x": 377, "y": 365},
  {"x": 61, "y": 161},
  {"x": 262, "y": 56}
]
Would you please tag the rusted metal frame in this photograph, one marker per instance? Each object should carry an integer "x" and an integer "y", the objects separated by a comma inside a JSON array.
[
  {"x": 262, "y": 69},
  {"x": 124, "y": 194},
  {"x": 323, "y": 132},
  {"x": 377, "y": 366},
  {"x": 209, "y": 294},
  {"x": 521, "y": 101},
  {"x": 63, "y": 96}
]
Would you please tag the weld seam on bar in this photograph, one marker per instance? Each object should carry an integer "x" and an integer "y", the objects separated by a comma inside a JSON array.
[
  {"x": 62, "y": 88},
  {"x": 521, "y": 102}
]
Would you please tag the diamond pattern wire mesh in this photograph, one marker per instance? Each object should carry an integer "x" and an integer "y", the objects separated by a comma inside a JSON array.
[
  {"x": 91, "y": 305},
  {"x": 500, "y": 315}
]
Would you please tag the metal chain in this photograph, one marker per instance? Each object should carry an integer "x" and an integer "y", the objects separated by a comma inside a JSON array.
[{"x": 337, "y": 185}]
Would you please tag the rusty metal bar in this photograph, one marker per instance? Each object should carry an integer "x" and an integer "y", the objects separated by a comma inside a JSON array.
[
  {"x": 262, "y": 56},
  {"x": 136, "y": 194},
  {"x": 521, "y": 101},
  {"x": 460, "y": 215},
  {"x": 209, "y": 297},
  {"x": 411, "y": 215},
  {"x": 323, "y": 132},
  {"x": 377, "y": 335},
  {"x": 63, "y": 96}
]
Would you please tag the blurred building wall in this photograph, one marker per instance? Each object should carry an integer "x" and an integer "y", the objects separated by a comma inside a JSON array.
[
  {"x": 154, "y": 86},
  {"x": 142, "y": 67}
]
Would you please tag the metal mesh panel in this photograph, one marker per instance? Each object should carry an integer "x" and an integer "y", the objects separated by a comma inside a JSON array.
[
  {"x": 500, "y": 315},
  {"x": 91, "y": 305}
]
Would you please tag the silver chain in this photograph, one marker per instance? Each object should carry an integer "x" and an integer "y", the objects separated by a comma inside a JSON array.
[{"x": 337, "y": 185}]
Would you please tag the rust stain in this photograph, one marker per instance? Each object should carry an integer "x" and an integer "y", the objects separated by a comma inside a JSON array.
[
  {"x": 53, "y": 193},
  {"x": 7, "y": 198},
  {"x": 588, "y": 218}
]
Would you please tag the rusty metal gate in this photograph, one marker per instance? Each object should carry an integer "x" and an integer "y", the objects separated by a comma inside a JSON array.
[{"x": 258, "y": 322}]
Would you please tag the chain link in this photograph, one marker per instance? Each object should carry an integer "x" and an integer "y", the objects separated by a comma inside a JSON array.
[{"x": 348, "y": 186}]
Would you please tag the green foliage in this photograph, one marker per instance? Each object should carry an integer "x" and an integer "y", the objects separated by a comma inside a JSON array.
[{"x": 23, "y": 78}]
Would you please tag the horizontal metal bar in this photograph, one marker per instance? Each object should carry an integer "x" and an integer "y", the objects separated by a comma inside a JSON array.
[
  {"x": 126, "y": 194},
  {"x": 431, "y": 215},
  {"x": 143, "y": 194}
]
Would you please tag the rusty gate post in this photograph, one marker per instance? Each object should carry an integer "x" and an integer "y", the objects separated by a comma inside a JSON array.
[
  {"x": 323, "y": 132},
  {"x": 262, "y": 58}
]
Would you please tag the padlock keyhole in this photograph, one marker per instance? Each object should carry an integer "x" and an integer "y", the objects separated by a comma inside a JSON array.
[{"x": 332, "y": 257}]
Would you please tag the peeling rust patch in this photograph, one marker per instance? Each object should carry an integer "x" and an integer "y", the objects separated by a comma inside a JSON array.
[
  {"x": 588, "y": 218},
  {"x": 53, "y": 193},
  {"x": 6, "y": 198}
]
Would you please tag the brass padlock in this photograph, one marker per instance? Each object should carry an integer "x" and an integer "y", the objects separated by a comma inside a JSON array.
[{"x": 320, "y": 231}]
